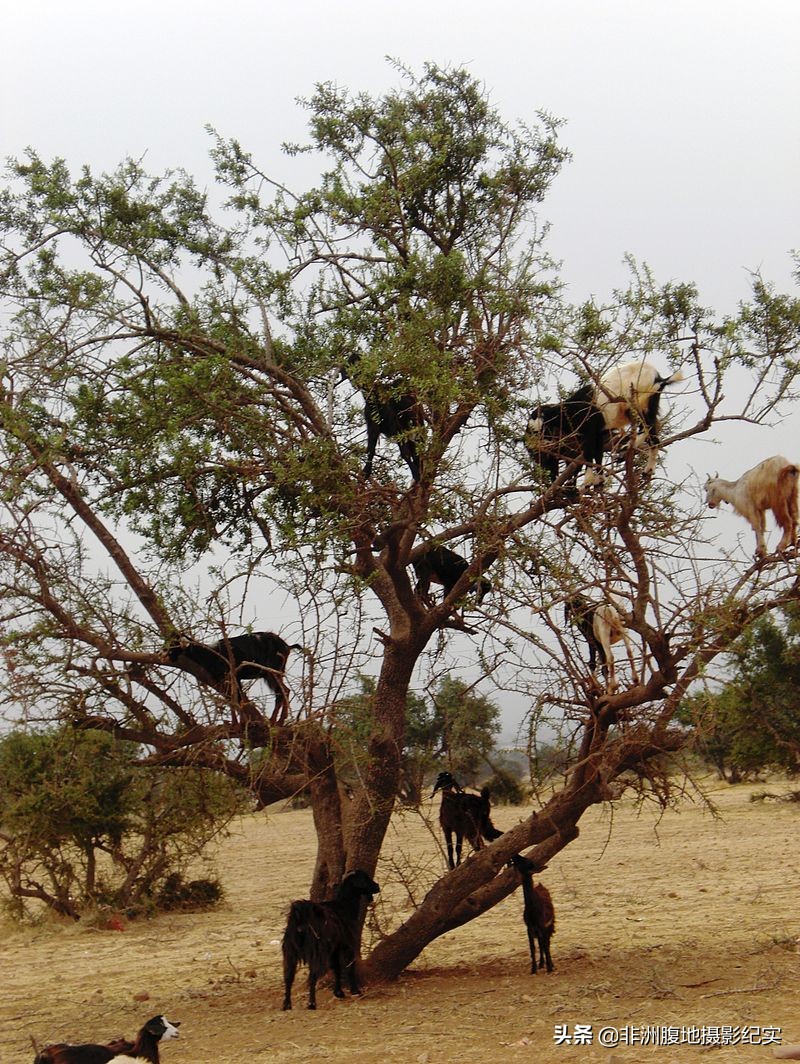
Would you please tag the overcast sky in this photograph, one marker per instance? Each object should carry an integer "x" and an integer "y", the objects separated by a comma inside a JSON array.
[{"x": 682, "y": 116}]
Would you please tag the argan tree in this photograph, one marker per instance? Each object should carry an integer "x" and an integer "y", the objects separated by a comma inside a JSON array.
[{"x": 183, "y": 393}]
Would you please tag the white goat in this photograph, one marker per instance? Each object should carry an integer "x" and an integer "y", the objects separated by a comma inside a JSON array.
[
  {"x": 628, "y": 397},
  {"x": 601, "y": 626},
  {"x": 771, "y": 485}
]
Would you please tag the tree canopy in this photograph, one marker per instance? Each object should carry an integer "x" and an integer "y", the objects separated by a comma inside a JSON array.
[{"x": 182, "y": 417}]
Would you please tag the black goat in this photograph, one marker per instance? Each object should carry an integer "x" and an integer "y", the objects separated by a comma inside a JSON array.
[
  {"x": 567, "y": 431},
  {"x": 395, "y": 416},
  {"x": 252, "y": 656},
  {"x": 463, "y": 815},
  {"x": 539, "y": 914},
  {"x": 158, "y": 1029},
  {"x": 324, "y": 935},
  {"x": 440, "y": 565}
]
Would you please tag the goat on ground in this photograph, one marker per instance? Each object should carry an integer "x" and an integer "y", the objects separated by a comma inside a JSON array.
[
  {"x": 628, "y": 397},
  {"x": 539, "y": 914},
  {"x": 324, "y": 935},
  {"x": 771, "y": 485},
  {"x": 463, "y": 815},
  {"x": 395, "y": 416},
  {"x": 252, "y": 656},
  {"x": 145, "y": 1047},
  {"x": 601, "y": 626},
  {"x": 440, "y": 565},
  {"x": 567, "y": 431}
]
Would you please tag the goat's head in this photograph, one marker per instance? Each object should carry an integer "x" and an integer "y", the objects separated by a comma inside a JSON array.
[
  {"x": 445, "y": 781},
  {"x": 535, "y": 423},
  {"x": 522, "y": 864},
  {"x": 161, "y": 1028},
  {"x": 361, "y": 882},
  {"x": 713, "y": 497}
]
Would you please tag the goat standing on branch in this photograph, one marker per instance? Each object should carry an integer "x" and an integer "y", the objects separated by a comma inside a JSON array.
[
  {"x": 397, "y": 417},
  {"x": 567, "y": 431},
  {"x": 440, "y": 565},
  {"x": 252, "y": 656},
  {"x": 601, "y": 626},
  {"x": 463, "y": 815},
  {"x": 625, "y": 398},
  {"x": 771, "y": 485}
]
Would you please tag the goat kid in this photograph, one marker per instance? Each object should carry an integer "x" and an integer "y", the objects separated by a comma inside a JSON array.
[
  {"x": 771, "y": 485},
  {"x": 440, "y": 565},
  {"x": 628, "y": 396},
  {"x": 539, "y": 914},
  {"x": 252, "y": 656},
  {"x": 463, "y": 815},
  {"x": 324, "y": 935},
  {"x": 145, "y": 1047},
  {"x": 396, "y": 417},
  {"x": 601, "y": 626}
]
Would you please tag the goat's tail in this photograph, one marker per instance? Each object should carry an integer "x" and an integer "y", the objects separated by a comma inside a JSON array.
[{"x": 677, "y": 376}]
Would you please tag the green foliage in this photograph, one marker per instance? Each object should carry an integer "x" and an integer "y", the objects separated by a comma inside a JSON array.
[
  {"x": 752, "y": 723},
  {"x": 455, "y": 732},
  {"x": 81, "y": 824}
]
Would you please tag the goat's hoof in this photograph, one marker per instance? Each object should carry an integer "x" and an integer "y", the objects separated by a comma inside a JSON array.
[
  {"x": 286, "y": 1006},
  {"x": 338, "y": 993},
  {"x": 312, "y": 1006}
]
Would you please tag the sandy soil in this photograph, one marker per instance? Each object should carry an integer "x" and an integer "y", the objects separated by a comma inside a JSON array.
[{"x": 691, "y": 921}]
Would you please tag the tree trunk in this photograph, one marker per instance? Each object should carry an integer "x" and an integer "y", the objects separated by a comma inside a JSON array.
[{"x": 374, "y": 802}]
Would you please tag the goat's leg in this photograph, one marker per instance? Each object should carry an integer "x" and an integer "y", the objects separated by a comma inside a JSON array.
[
  {"x": 352, "y": 973},
  {"x": 532, "y": 947},
  {"x": 759, "y": 527},
  {"x": 459, "y": 846},
  {"x": 373, "y": 434},
  {"x": 313, "y": 975},
  {"x": 289, "y": 969},
  {"x": 449, "y": 840},
  {"x": 408, "y": 452},
  {"x": 336, "y": 968},
  {"x": 631, "y": 657},
  {"x": 544, "y": 950}
]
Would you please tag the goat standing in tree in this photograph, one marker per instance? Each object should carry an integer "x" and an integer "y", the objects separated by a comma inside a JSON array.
[
  {"x": 252, "y": 656},
  {"x": 771, "y": 485},
  {"x": 601, "y": 626},
  {"x": 463, "y": 815}
]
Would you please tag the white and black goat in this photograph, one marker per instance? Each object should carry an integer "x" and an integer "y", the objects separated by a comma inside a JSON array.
[
  {"x": 464, "y": 816},
  {"x": 145, "y": 1047},
  {"x": 324, "y": 935},
  {"x": 539, "y": 914},
  {"x": 601, "y": 626},
  {"x": 566, "y": 432},
  {"x": 440, "y": 565},
  {"x": 252, "y": 656},
  {"x": 580, "y": 427},
  {"x": 771, "y": 485},
  {"x": 628, "y": 397},
  {"x": 394, "y": 416}
]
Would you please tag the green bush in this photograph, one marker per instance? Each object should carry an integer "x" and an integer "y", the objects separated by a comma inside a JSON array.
[{"x": 83, "y": 824}]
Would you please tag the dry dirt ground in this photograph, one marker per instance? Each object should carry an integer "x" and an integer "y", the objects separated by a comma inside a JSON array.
[{"x": 691, "y": 921}]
